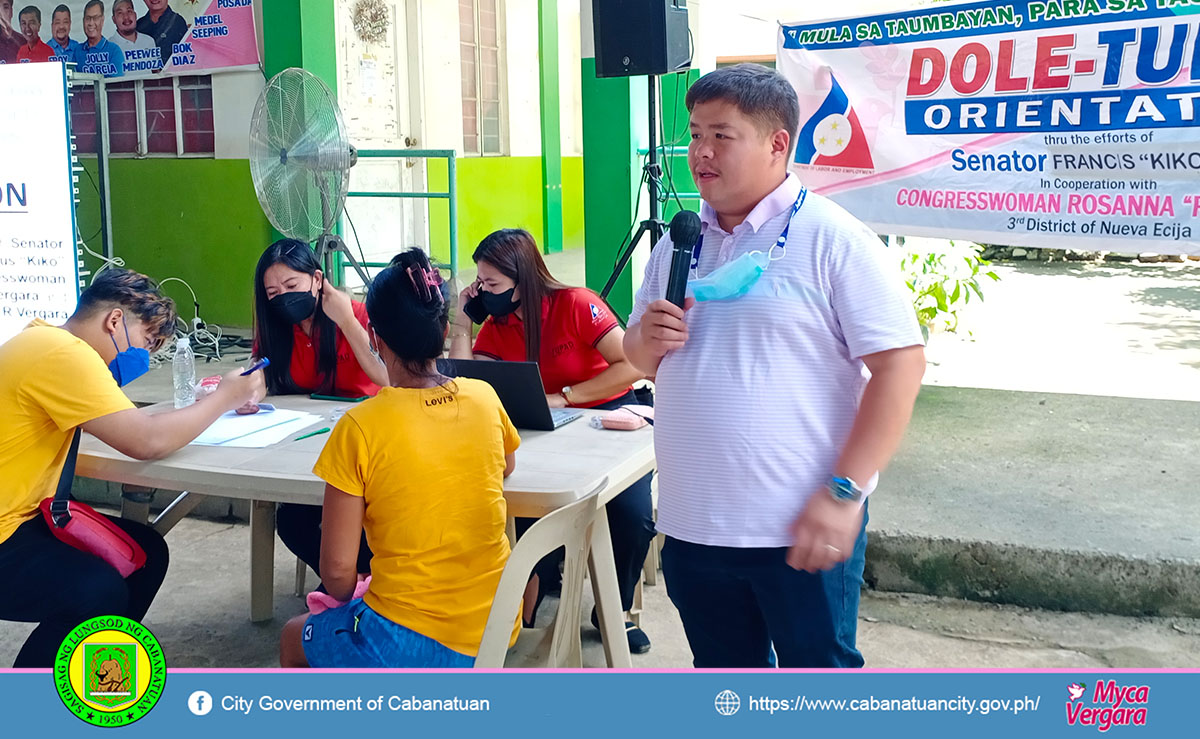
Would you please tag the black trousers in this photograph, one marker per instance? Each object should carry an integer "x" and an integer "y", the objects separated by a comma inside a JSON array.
[
  {"x": 299, "y": 528},
  {"x": 58, "y": 586},
  {"x": 631, "y": 520},
  {"x": 746, "y": 608}
]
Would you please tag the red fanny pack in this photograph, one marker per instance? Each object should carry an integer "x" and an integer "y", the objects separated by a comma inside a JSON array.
[{"x": 78, "y": 525}]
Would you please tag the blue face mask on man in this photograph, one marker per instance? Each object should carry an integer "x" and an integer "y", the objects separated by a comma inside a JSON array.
[
  {"x": 733, "y": 280},
  {"x": 129, "y": 364}
]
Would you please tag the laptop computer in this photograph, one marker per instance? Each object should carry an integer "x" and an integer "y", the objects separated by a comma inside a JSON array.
[{"x": 519, "y": 385}]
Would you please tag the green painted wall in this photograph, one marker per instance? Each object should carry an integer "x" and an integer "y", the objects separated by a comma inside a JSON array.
[
  {"x": 300, "y": 34},
  {"x": 675, "y": 131},
  {"x": 614, "y": 126},
  {"x": 196, "y": 219},
  {"x": 199, "y": 219},
  {"x": 551, "y": 127},
  {"x": 502, "y": 192},
  {"x": 615, "y": 137},
  {"x": 572, "y": 173},
  {"x": 205, "y": 225}
]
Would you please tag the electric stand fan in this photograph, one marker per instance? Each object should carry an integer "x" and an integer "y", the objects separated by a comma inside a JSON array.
[{"x": 300, "y": 160}]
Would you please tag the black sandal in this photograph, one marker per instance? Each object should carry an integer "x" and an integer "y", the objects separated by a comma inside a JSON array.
[{"x": 639, "y": 643}]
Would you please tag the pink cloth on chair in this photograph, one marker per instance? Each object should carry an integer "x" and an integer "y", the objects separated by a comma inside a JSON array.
[{"x": 319, "y": 602}]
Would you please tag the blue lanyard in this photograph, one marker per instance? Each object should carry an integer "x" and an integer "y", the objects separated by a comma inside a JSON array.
[{"x": 780, "y": 242}]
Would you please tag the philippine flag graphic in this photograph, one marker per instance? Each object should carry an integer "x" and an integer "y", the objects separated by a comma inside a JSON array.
[{"x": 832, "y": 136}]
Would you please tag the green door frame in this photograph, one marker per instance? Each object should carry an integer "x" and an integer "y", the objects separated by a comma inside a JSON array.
[
  {"x": 300, "y": 35},
  {"x": 552, "y": 192}
]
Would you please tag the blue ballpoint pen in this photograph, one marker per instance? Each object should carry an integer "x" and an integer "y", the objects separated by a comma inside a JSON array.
[{"x": 260, "y": 364}]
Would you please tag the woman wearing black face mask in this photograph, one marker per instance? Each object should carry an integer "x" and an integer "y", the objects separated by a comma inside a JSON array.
[
  {"x": 576, "y": 341},
  {"x": 316, "y": 339},
  {"x": 314, "y": 334}
]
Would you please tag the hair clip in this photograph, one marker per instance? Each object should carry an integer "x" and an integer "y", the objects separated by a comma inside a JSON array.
[{"x": 426, "y": 283}]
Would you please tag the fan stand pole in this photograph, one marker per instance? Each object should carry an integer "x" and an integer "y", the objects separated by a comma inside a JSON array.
[{"x": 330, "y": 244}]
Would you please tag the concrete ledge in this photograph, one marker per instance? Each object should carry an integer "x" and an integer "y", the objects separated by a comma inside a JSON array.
[
  {"x": 1038, "y": 578},
  {"x": 989, "y": 572}
]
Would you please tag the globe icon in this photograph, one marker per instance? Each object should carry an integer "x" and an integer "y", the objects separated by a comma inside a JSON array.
[{"x": 727, "y": 703}]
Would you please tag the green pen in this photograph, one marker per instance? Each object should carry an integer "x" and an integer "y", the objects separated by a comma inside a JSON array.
[{"x": 314, "y": 433}]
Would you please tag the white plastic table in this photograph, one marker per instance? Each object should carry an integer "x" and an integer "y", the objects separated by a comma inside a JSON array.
[{"x": 554, "y": 468}]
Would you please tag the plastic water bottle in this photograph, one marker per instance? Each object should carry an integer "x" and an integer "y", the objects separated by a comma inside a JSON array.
[{"x": 183, "y": 369}]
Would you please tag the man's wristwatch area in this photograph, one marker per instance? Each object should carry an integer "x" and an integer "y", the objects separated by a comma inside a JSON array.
[{"x": 845, "y": 490}]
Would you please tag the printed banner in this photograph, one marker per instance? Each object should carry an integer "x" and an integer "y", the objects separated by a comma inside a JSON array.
[
  {"x": 596, "y": 703},
  {"x": 131, "y": 38},
  {"x": 38, "y": 275},
  {"x": 1058, "y": 124}
]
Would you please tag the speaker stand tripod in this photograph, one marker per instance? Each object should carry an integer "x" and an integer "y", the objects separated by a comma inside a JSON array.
[{"x": 651, "y": 173}]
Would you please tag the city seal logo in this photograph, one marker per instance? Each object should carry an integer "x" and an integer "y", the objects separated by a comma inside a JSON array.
[
  {"x": 112, "y": 668},
  {"x": 110, "y": 671}
]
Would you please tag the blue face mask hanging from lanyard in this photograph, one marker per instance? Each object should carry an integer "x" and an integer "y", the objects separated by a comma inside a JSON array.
[{"x": 733, "y": 280}]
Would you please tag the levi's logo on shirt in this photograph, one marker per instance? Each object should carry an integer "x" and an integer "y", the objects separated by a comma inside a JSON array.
[{"x": 433, "y": 402}]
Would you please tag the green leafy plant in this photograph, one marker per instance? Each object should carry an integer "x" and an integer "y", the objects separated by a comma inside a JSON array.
[{"x": 943, "y": 281}]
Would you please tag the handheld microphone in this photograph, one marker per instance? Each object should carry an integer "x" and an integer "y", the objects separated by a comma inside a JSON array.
[{"x": 685, "y": 232}]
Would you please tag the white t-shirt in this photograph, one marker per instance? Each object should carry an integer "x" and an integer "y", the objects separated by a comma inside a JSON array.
[
  {"x": 752, "y": 414},
  {"x": 141, "y": 55}
]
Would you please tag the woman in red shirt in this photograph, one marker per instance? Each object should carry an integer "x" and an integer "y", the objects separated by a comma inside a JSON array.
[
  {"x": 576, "y": 341},
  {"x": 316, "y": 339}
]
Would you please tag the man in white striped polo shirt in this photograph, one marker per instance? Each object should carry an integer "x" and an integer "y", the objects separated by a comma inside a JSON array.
[{"x": 777, "y": 408}]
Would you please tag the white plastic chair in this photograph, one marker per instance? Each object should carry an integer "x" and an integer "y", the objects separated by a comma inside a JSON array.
[
  {"x": 558, "y": 645},
  {"x": 653, "y": 561}
]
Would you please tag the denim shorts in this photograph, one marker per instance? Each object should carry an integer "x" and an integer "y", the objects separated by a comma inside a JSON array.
[{"x": 355, "y": 636}]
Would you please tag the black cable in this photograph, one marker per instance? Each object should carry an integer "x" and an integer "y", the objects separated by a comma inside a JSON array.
[
  {"x": 675, "y": 115},
  {"x": 93, "y": 181},
  {"x": 628, "y": 231},
  {"x": 671, "y": 190},
  {"x": 656, "y": 177},
  {"x": 361, "y": 255},
  {"x": 637, "y": 205},
  {"x": 632, "y": 226},
  {"x": 97, "y": 189},
  {"x": 665, "y": 157}
]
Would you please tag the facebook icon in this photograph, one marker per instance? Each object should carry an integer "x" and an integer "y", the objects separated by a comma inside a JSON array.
[{"x": 200, "y": 703}]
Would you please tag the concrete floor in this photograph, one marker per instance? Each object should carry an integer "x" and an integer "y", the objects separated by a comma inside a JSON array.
[
  {"x": 1113, "y": 330},
  {"x": 201, "y": 617},
  {"x": 1052, "y": 457}
]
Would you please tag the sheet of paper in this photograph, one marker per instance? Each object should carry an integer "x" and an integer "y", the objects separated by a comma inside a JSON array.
[
  {"x": 276, "y": 434},
  {"x": 231, "y": 427}
]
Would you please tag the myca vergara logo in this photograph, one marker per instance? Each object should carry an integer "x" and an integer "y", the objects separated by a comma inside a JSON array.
[
  {"x": 110, "y": 671},
  {"x": 1112, "y": 705}
]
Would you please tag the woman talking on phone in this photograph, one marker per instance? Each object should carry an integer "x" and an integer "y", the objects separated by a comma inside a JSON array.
[
  {"x": 316, "y": 339},
  {"x": 570, "y": 332}
]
